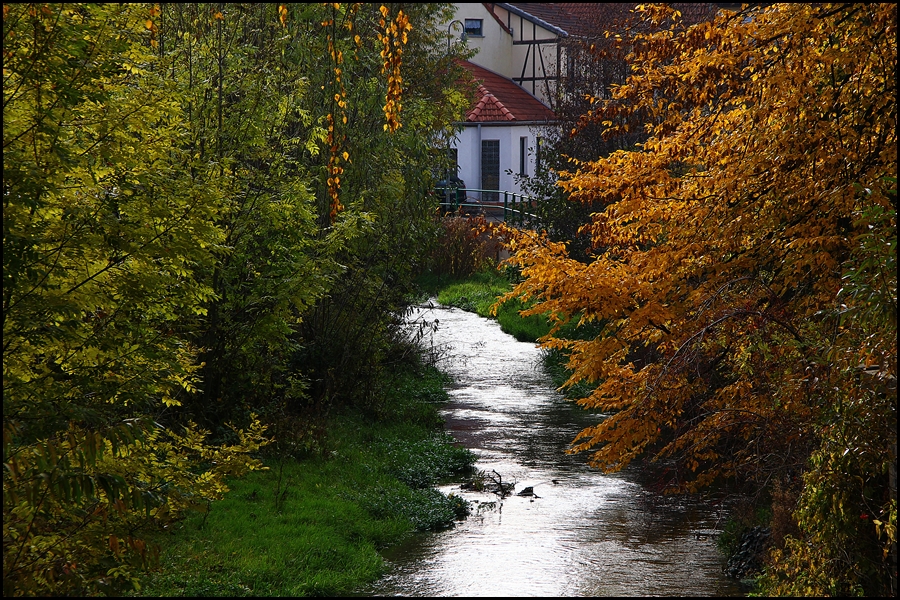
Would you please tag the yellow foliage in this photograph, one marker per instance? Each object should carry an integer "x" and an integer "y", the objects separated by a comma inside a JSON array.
[
  {"x": 104, "y": 232},
  {"x": 62, "y": 494},
  {"x": 395, "y": 37}
]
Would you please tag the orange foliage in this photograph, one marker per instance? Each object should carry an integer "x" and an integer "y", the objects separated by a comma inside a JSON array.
[
  {"x": 769, "y": 133},
  {"x": 395, "y": 36}
]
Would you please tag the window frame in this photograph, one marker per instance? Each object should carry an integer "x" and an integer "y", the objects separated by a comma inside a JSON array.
[
  {"x": 490, "y": 146},
  {"x": 474, "y": 27},
  {"x": 523, "y": 155}
]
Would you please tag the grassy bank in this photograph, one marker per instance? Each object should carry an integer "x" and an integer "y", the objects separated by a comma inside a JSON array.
[
  {"x": 478, "y": 292},
  {"x": 315, "y": 525}
]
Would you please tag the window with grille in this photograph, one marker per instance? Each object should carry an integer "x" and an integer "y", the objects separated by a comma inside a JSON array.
[
  {"x": 523, "y": 155},
  {"x": 490, "y": 169}
]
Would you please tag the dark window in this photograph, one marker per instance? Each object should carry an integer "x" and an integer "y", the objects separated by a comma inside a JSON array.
[
  {"x": 474, "y": 28},
  {"x": 490, "y": 169},
  {"x": 523, "y": 155}
]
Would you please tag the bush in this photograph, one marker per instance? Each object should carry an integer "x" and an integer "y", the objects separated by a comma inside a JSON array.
[{"x": 463, "y": 247}]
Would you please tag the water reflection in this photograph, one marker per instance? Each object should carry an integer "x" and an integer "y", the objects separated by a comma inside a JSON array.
[{"x": 584, "y": 534}]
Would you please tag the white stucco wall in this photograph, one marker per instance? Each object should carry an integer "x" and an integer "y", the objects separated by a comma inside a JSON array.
[
  {"x": 468, "y": 145},
  {"x": 494, "y": 48}
]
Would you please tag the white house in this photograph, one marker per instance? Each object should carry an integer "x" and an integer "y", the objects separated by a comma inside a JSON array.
[
  {"x": 500, "y": 136},
  {"x": 526, "y": 56}
]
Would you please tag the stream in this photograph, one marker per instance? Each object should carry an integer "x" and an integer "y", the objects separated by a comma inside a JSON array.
[{"x": 584, "y": 533}]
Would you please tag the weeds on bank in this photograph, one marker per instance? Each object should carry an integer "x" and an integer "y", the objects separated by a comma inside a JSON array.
[
  {"x": 475, "y": 293},
  {"x": 315, "y": 526}
]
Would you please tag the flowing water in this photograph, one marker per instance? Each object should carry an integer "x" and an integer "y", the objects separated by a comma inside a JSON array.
[{"x": 584, "y": 533}]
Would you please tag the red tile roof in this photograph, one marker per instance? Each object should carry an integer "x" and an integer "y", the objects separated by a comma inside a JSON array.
[
  {"x": 583, "y": 19},
  {"x": 500, "y": 99},
  {"x": 488, "y": 108}
]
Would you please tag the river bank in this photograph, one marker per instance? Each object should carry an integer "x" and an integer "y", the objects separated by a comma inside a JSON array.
[
  {"x": 344, "y": 519},
  {"x": 734, "y": 529},
  {"x": 316, "y": 524}
]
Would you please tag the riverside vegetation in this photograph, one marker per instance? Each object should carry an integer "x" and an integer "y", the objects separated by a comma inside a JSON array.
[
  {"x": 314, "y": 523},
  {"x": 741, "y": 259},
  {"x": 204, "y": 277}
]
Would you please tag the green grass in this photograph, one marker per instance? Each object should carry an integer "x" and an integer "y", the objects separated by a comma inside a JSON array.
[
  {"x": 524, "y": 329},
  {"x": 476, "y": 293},
  {"x": 315, "y": 526}
]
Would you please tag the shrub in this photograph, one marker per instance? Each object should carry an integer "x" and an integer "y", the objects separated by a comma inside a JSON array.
[{"x": 463, "y": 247}]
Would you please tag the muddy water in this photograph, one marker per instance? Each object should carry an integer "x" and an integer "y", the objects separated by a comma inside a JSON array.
[{"x": 584, "y": 533}]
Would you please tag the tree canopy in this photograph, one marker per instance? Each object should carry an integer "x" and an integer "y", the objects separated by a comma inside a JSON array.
[
  {"x": 193, "y": 231},
  {"x": 744, "y": 272}
]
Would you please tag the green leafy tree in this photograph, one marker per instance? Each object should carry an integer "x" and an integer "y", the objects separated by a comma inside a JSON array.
[
  {"x": 181, "y": 241},
  {"x": 323, "y": 179},
  {"x": 243, "y": 73},
  {"x": 350, "y": 335},
  {"x": 846, "y": 543},
  {"x": 104, "y": 230}
]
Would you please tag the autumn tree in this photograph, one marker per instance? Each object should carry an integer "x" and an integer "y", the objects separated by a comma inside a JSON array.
[
  {"x": 745, "y": 274},
  {"x": 595, "y": 54},
  {"x": 348, "y": 338}
]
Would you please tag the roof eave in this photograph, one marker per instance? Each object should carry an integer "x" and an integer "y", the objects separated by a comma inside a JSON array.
[
  {"x": 547, "y": 123},
  {"x": 521, "y": 13}
]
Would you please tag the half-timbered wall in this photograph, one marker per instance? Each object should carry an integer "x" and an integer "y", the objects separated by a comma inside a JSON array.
[{"x": 536, "y": 59}]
